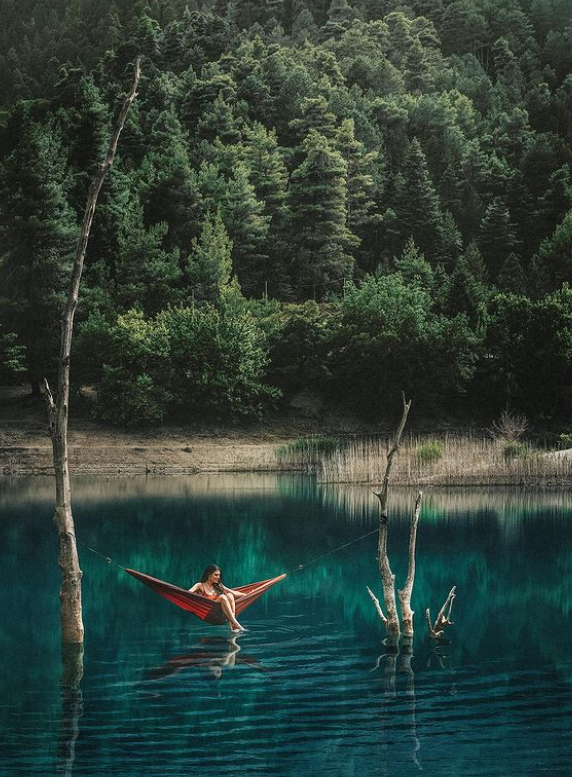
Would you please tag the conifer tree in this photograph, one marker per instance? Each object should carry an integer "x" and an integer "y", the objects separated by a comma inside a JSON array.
[
  {"x": 209, "y": 263},
  {"x": 219, "y": 121},
  {"x": 147, "y": 275},
  {"x": 497, "y": 236},
  {"x": 417, "y": 205},
  {"x": 511, "y": 278},
  {"x": 318, "y": 205},
  {"x": 465, "y": 291},
  {"x": 247, "y": 226},
  {"x": 38, "y": 240},
  {"x": 413, "y": 268}
]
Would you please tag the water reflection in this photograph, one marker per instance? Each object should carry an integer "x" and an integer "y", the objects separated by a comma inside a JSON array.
[
  {"x": 71, "y": 707},
  {"x": 151, "y": 668},
  {"x": 213, "y": 654}
]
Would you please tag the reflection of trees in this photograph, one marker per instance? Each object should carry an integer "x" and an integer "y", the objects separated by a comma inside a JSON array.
[
  {"x": 71, "y": 706},
  {"x": 258, "y": 525}
]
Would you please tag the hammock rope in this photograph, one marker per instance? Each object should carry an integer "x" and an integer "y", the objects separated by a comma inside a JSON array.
[{"x": 210, "y": 610}]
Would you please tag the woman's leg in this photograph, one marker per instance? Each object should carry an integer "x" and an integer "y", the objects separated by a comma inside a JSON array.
[{"x": 228, "y": 610}]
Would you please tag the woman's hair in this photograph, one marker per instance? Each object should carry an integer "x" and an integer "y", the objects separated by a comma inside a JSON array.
[{"x": 208, "y": 572}]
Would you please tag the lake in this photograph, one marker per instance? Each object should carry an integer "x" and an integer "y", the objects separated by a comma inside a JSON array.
[{"x": 310, "y": 688}]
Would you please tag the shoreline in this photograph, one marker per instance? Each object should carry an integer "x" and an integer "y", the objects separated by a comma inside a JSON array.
[{"x": 337, "y": 447}]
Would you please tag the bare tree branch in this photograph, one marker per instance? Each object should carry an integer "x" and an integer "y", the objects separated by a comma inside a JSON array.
[
  {"x": 377, "y": 606},
  {"x": 443, "y": 619}
]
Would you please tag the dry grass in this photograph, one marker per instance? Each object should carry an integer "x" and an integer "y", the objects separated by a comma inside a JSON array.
[{"x": 472, "y": 460}]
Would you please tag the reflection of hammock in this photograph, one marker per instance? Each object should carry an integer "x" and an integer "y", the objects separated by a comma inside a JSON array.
[{"x": 204, "y": 608}]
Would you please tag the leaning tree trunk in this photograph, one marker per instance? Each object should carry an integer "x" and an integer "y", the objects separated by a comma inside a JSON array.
[{"x": 58, "y": 409}]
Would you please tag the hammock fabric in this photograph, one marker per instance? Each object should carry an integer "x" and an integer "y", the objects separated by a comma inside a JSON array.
[{"x": 206, "y": 609}]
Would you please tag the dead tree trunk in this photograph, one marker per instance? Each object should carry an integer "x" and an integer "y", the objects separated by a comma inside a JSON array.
[
  {"x": 443, "y": 619},
  {"x": 391, "y": 621},
  {"x": 405, "y": 593},
  {"x": 70, "y": 592}
]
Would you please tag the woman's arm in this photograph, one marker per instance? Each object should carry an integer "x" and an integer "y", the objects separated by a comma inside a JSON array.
[
  {"x": 233, "y": 592},
  {"x": 197, "y": 588}
]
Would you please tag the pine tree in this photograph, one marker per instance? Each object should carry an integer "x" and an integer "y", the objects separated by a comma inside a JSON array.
[
  {"x": 555, "y": 202},
  {"x": 417, "y": 205},
  {"x": 413, "y": 268},
  {"x": 168, "y": 185},
  {"x": 209, "y": 263},
  {"x": 247, "y": 226},
  {"x": 316, "y": 116},
  {"x": 318, "y": 230},
  {"x": 38, "y": 234},
  {"x": 219, "y": 121},
  {"x": 511, "y": 276},
  {"x": 497, "y": 236},
  {"x": 465, "y": 292},
  {"x": 268, "y": 173},
  {"x": 304, "y": 28},
  {"x": 147, "y": 275},
  {"x": 364, "y": 220},
  {"x": 340, "y": 17}
]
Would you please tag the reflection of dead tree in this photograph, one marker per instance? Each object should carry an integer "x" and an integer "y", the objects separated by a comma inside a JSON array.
[
  {"x": 398, "y": 661},
  {"x": 391, "y": 620},
  {"x": 437, "y": 629},
  {"x": 72, "y": 706}
]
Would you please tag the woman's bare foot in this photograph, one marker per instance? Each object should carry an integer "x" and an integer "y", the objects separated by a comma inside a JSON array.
[{"x": 236, "y": 626}]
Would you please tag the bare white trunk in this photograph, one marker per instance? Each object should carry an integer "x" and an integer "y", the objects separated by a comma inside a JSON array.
[
  {"x": 391, "y": 621},
  {"x": 405, "y": 593},
  {"x": 58, "y": 410}
]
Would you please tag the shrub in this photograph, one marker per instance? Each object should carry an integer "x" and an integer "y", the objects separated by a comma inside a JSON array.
[
  {"x": 184, "y": 362},
  {"x": 512, "y": 449},
  {"x": 430, "y": 452},
  {"x": 307, "y": 450}
]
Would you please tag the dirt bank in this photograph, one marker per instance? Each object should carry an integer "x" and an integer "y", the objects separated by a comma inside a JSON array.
[{"x": 25, "y": 446}]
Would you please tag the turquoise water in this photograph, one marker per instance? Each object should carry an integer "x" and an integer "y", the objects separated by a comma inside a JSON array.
[{"x": 309, "y": 689}]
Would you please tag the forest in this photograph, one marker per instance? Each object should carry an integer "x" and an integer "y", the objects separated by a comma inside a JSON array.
[{"x": 353, "y": 199}]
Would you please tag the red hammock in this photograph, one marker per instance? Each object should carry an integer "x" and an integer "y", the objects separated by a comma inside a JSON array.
[{"x": 204, "y": 608}]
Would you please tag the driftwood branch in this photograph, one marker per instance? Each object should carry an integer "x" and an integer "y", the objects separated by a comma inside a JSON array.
[
  {"x": 58, "y": 409},
  {"x": 443, "y": 619},
  {"x": 405, "y": 593}
]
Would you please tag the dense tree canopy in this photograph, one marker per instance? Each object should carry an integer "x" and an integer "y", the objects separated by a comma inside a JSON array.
[{"x": 405, "y": 166}]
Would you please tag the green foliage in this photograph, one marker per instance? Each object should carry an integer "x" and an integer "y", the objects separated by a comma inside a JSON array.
[
  {"x": 307, "y": 450},
  {"x": 530, "y": 346},
  {"x": 514, "y": 450},
  {"x": 210, "y": 261},
  {"x": 298, "y": 147},
  {"x": 38, "y": 234},
  {"x": 429, "y": 452},
  {"x": 193, "y": 362},
  {"x": 12, "y": 357},
  {"x": 390, "y": 338}
]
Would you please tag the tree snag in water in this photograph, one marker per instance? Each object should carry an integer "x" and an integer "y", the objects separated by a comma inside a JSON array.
[
  {"x": 437, "y": 629},
  {"x": 70, "y": 591},
  {"x": 391, "y": 621}
]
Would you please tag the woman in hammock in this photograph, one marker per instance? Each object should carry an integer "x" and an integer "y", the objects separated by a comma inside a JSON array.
[{"x": 211, "y": 587}]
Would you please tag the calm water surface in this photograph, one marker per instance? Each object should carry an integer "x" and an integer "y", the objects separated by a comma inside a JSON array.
[{"x": 309, "y": 689}]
